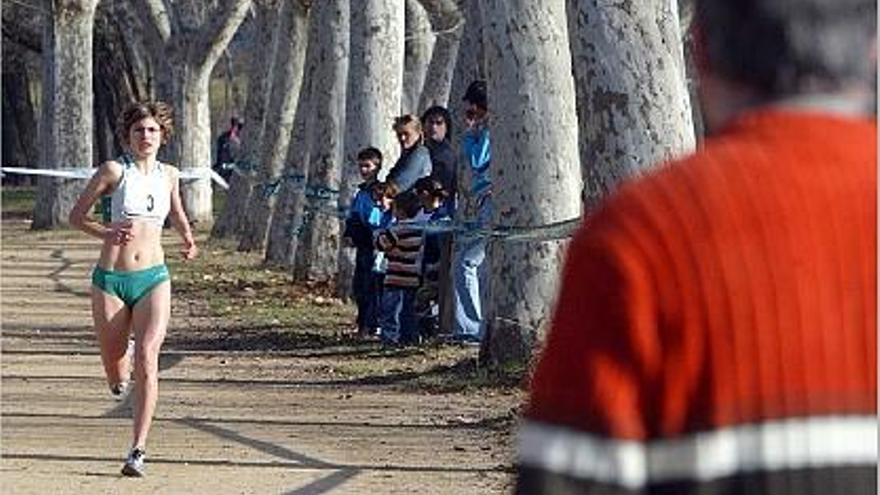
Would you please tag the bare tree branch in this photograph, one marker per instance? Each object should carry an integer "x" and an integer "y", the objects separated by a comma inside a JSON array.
[
  {"x": 220, "y": 30},
  {"x": 160, "y": 16}
]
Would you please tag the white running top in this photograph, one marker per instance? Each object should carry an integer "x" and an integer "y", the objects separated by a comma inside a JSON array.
[{"x": 140, "y": 196}]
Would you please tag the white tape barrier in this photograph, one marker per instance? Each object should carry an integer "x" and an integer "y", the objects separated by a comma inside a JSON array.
[{"x": 200, "y": 173}]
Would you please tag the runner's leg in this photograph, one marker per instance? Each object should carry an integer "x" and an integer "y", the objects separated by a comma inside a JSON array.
[
  {"x": 112, "y": 323},
  {"x": 150, "y": 322}
]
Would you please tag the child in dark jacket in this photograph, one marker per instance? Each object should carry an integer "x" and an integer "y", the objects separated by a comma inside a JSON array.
[
  {"x": 365, "y": 216},
  {"x": 433, "y": 215}
]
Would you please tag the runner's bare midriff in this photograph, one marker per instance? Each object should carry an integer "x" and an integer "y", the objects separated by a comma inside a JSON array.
[{"x": 144, "y": 250}]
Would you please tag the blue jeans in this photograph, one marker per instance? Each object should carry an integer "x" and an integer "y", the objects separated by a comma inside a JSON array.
[
  {"x": 398, "y": 319},
  {"x": 470, "y": 279}
]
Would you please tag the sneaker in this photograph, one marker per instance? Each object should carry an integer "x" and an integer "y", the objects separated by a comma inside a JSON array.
[
  {"x": 120, "y": 390},
  {"x": 134, "y": 464}
]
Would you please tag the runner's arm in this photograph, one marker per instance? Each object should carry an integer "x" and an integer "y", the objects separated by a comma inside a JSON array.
[
  {"x": 179, "y": 219},
  {"x": 102, "y": 182}
]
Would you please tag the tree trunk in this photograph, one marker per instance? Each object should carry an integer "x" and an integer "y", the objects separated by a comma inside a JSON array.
[
  {"x": 104, "y": 142},
  {"x": 377, "y": 62},
  {"x": 289, "y": 61},
  {"x": 471, "y": 62},
  {"x": 686, "y": 11},
  {"x": 374, "y": 99},
  {"x": 241, "y": 185},
  {"x": 320, "y": 242},
  {"x": 133, "y": 56},
  {"x": 418, "y": 46},
  {"x": 448, "y": 25},
  {"x": 187, "y": 39},
  {"x": 632, "y": 95},
  {"x": 73, "y": 22},
  {"x": 42, "y": 216},
  {"x": 122, "y": 74},
  {"x": 535, "y": 170},
  {"x": 470, "y": 66},
  {"x": 19, "y": 120},
  {"x": 288, "y": 222},
  {"x": 194, "y": 140},
  {"x": 290, "y": 218}
]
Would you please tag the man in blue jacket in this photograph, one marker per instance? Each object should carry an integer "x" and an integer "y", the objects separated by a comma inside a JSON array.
[{"x": 470, "y": 270}]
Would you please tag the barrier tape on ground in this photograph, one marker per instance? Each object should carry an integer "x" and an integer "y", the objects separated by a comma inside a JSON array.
[{"x": 84, "y": 173}]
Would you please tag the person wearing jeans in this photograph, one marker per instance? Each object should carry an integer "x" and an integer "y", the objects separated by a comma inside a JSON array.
[{"x": 470, "y": 270}]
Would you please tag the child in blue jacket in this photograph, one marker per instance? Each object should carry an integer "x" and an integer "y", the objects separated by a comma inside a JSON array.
[{"x": 365, "y": 216}]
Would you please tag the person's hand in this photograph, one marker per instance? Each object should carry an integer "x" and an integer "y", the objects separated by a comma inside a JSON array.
[
  {"x": 385, "y": 241},
  {"x": 189, "y": 249},
  {"x": 119, "y": 233}
]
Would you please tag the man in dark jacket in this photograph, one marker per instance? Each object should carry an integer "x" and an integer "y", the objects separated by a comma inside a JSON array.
[
  {"x": 438, "y": 128},
  {"x": 228, "y": 148}
]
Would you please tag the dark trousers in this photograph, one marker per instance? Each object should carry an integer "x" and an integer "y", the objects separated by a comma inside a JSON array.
[{"x": 366, "y": 286}]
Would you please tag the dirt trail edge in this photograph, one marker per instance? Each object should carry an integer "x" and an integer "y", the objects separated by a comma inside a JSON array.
[{"x": 227, "y": 422}]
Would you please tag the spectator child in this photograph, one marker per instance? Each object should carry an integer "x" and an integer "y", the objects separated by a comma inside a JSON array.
[
  {"x": 435, "y": 210},
  {"x": 383, "y": 196},
  {"x": 364, "y": 217},
  {"x": 402, "y": 245}
]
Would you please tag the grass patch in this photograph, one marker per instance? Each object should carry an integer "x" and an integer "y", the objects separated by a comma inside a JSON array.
[
  {"x": 18, "y": 201},
  {"x": 218, "y": 200},
  {"x": 236, "y": 286},
  {"x": 263, "y": 309},
  {"x": 467, "y": 375}
]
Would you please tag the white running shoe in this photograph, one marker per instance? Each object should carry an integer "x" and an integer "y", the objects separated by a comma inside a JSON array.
[
  {"x": 120, "y": 390},
  {"x": 134, "y": 463}
]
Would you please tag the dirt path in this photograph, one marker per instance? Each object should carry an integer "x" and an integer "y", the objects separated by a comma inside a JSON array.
[{"x": 227, "y": 422}]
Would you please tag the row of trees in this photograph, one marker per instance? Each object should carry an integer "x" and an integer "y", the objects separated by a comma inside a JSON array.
[{"x": 583, "y": 93}]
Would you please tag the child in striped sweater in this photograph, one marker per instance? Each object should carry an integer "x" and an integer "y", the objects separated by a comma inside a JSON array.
[{"x": 402, "y": 245}]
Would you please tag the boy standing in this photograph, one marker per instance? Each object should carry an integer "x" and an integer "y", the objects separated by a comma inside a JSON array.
[
  {"x": 364, "y": 217},
  {"x": 433, "y": 196},
  {"x": 402, "y": 244}
]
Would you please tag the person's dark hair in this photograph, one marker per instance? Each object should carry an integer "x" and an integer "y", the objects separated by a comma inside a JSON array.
[
  {"x": 407, "y": 203},
  {"x": 384, "y": 190},
  {"x": 236, "y": 122},
  {"x": 476, "y": 94},
  {"x": 431, "y": 186},
  {"x": 372, "y": 154},
  {"x": 438, "y": 111},
  {"x": 787, "y": 47},
  {"x": 161, "y": 112}
]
